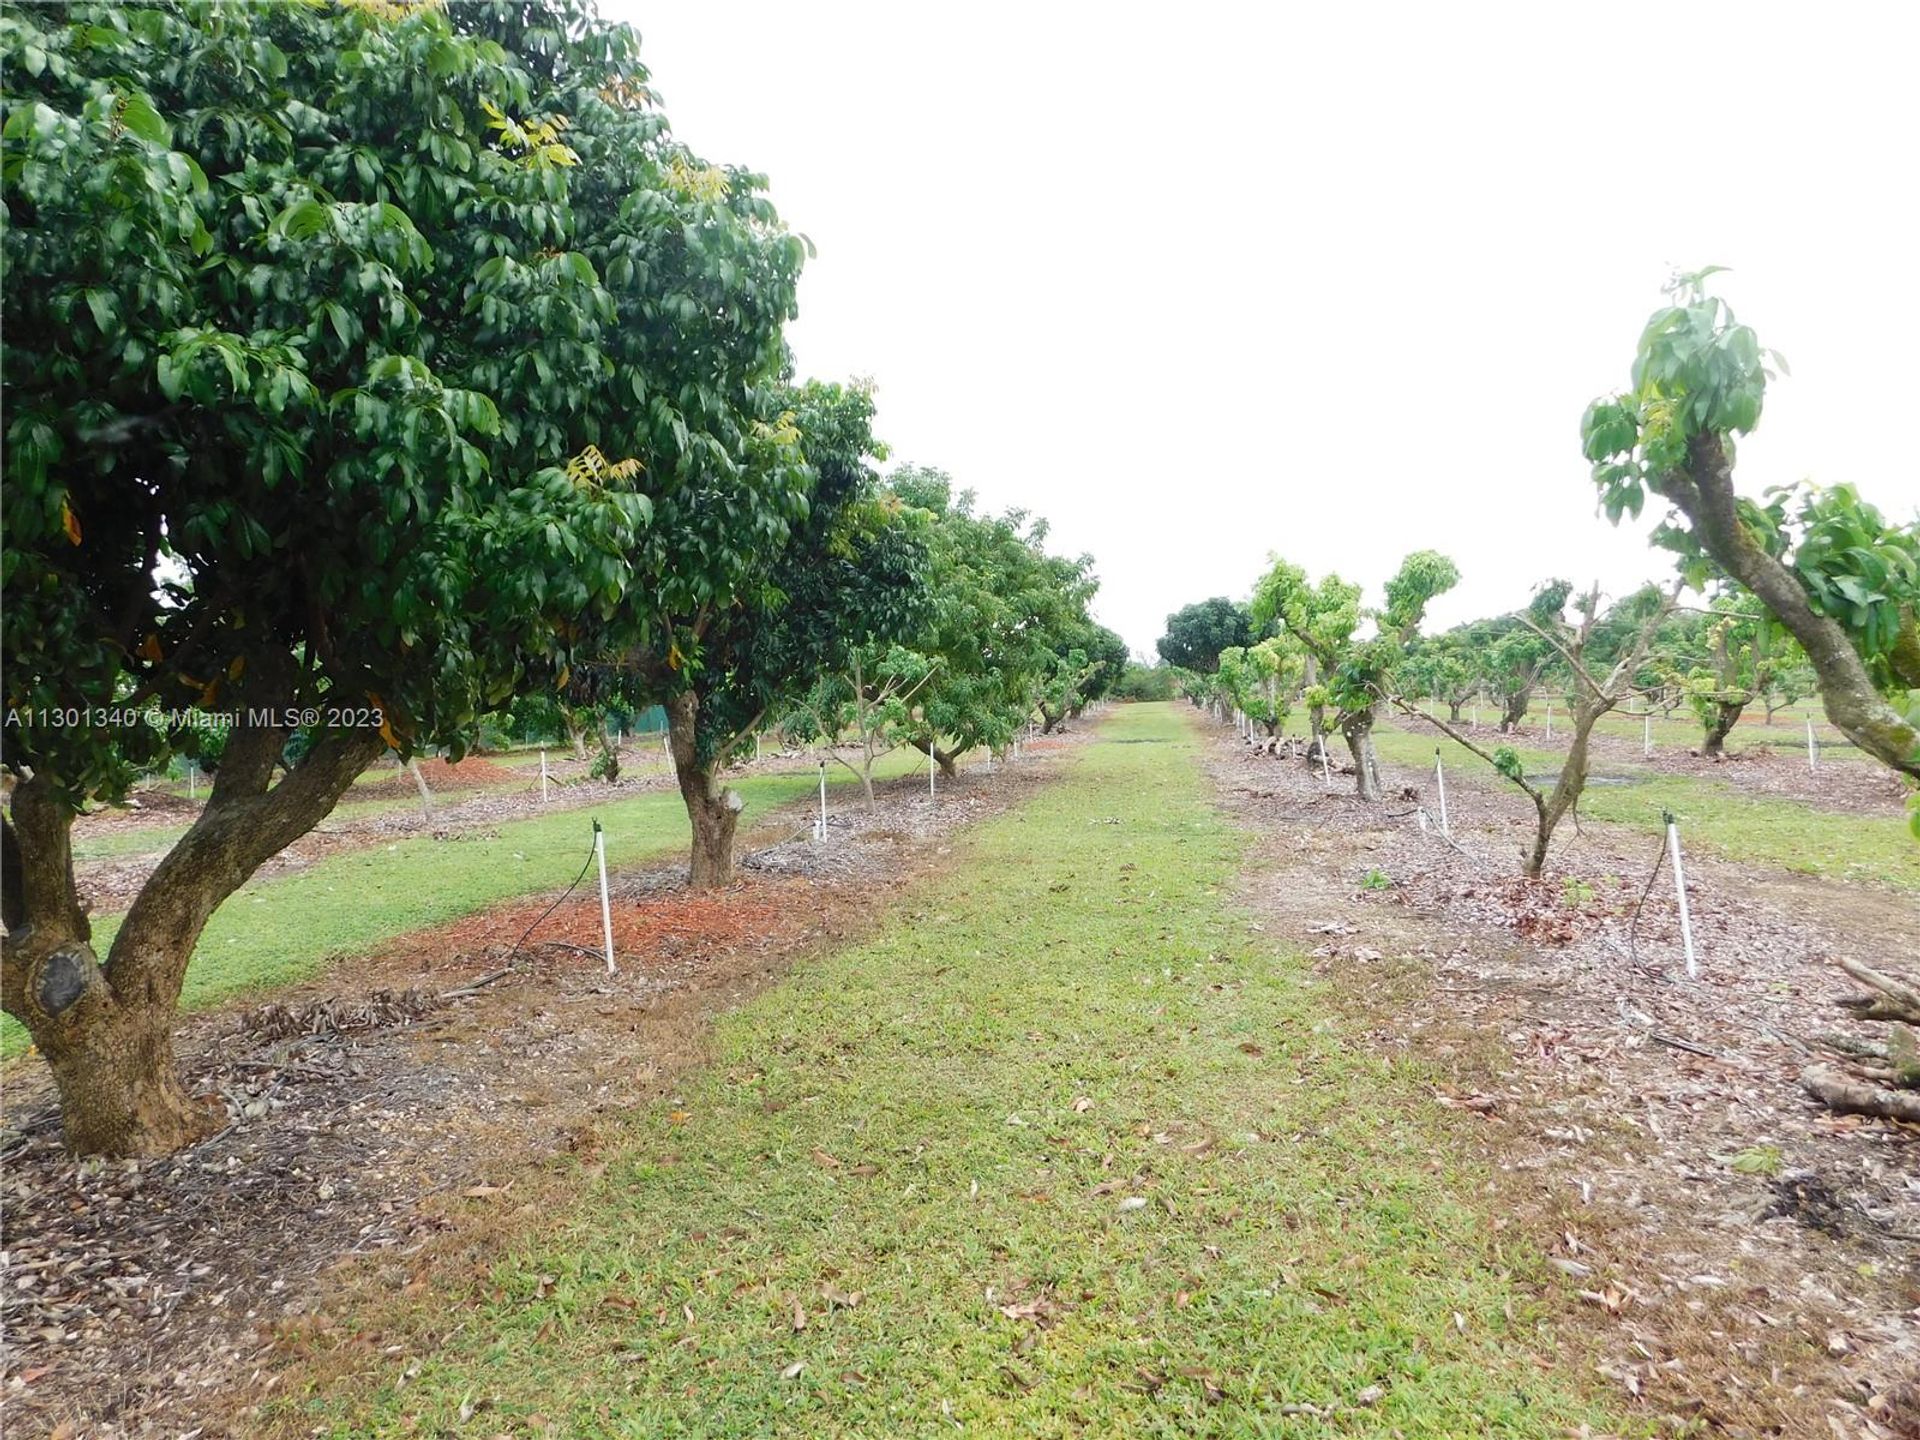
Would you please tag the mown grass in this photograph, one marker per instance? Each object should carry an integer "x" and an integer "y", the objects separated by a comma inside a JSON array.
[
  {"x": 1069, "y": 1080},
  {"x": 276, "y": 932},
  {"x": 1765, "y": 829}
]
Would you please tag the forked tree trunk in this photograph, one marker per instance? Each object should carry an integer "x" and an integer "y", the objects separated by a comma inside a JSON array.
[
  {"x": 107, "y": 1030},
  {"x": 1366, "y": 769},
  {"x": 1453, "y": 710},
  {"x": 1513, "y": 709},
  {"x": 609, "y": 751},
  {"x": 713, "y": 810},
  {"x": 1723, "y": 715}
]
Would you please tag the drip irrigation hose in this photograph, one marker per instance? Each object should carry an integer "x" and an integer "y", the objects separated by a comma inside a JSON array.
[
  {"x": 585, "y": 866},
  {"x": 1659, "y": 859}
]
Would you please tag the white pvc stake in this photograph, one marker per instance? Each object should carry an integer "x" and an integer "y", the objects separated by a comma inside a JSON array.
[
  {"x": 931, "y": 767},
  {"x": 543, "y": 777},
  {"x": 1680, "y": 889},
  {"x": 1647, "y": 743},
  {"x": 606, "y": 908},
  {"x": 1549, "y": 719},
  {"x": 756, "y": 749},
  {"x": 822, "y": 831},
  {"x": 1326, "y": 769},
  {"x": 1440, "y": 776},
  {"x": 193, "y": 775},
  {"x": 1476, "y": 715},
  {"x": 1813, "y": 748}
]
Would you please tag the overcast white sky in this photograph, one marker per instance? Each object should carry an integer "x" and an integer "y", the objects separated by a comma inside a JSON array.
[{"x": 1202, "y": 282}]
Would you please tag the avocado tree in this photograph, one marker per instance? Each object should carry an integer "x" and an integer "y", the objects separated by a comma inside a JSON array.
[
  {"x": 1355, "y": 675},
  {"x": 332, "y": 335},
  {"x": 1197, "y": 633}
]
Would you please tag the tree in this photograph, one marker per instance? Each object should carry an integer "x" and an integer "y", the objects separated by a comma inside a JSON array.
[
  {"x": 1198, "y": 633},
  {"x": 836, "y": 569},
  {"x": 1447, "y": 668},
  {"x": 1262, "y": 680},
  {"x": 1356, "y": 675},
  {"x": 873, "y": 696},
  {"x": 1003, "y": 615},
  {"x": 1835, "y": 574},
  {"x": 1840, "y": 579},
  {"x": 1518, "y": 655},
  {"x": 332, "y": 336},
  {"x": 1602, "y": 665}
]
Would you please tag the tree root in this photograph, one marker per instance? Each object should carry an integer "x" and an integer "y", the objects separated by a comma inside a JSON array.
[
  {"x": 1839, "y": 1091},
  {"x": 1891, "y": 997}
]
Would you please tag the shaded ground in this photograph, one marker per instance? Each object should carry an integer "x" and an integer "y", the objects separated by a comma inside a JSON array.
[
  {"x": 1753, "y": 1261},
  {"x": 392, "y": 1104}
]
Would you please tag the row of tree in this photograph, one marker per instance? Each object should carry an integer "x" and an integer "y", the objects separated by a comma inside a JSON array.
[
  {"x": 1812, "y": 590},
  {"x": 371, "y": 368}
]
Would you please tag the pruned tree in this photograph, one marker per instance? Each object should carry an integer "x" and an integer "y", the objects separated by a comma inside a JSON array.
[
  {"x": 873, "y": 696},
  {"x": 1262, "y": 680},
  {"x": 1828, "y": 566},
  {"x": 1356, "y": 676},
  {"x": 1600, "y": 681}
]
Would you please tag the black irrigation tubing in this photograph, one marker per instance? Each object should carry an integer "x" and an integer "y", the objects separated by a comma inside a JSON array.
[
  {"x": 1659, "y": 858},
  {"x": 586, "y": 865}
]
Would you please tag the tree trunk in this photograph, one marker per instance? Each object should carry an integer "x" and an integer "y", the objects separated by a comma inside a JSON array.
[
  {"x": 945, "y": 759},
  {"x": 1454, "y": 708},
  {"x": 1048, "y": 719},
  {"x": 1703, "y": 491},
  {"x": 1552, "y": 808},
  {"x": 712, "y": 809},
  {"x": 609, "y": 765},
  {"x": 106, "y": 1030},
  {"x": 1724, "y": 715},
  {"x": 419, "y": 780},
  {"x": 576, "y": 736},
  {"x": 1359, "y": 734},
  {"x": 1513, "y": 709}
]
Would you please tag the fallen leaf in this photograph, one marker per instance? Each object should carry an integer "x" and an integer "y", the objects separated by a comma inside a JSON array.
[
  {"x": 825, "y": 1161},
  {"x": 792, "y": 1372},
  {"x": 799, "y": 1315}
]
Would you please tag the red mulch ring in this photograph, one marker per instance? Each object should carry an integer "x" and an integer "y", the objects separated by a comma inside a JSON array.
[
  {"x": 661, "y": 924},
  {"x": 471, "y": 773}
]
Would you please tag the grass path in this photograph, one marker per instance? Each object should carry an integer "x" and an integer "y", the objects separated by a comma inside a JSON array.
[{"x": 1068, "y": 1150}]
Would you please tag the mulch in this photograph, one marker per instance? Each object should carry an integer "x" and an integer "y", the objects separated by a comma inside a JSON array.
[{"x": 1748, "y": 1259}]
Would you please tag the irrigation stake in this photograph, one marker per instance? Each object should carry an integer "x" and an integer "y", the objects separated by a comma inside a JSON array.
[
  {"x": 1326, "y": 770},
  {"x": 193, "y": 775},
  {"x": 820, "y": 827},
  {"x": 1549, "y": 719},
  {"x": 1813, "y": 748},
  {"x": 1680, "y": 889},
  {"x": 1647, "y": 743},
  {"x": 1440, "y": 775},
  {"x": 543, "y": 777},
  {"x": 606, "y": 908},
  {"x": 931, "y": 767}
]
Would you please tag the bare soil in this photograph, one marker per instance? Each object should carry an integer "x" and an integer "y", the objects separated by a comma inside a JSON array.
[
  {"x": 405, "y": 1113},
  {"x": 1749, "y": 1262}
]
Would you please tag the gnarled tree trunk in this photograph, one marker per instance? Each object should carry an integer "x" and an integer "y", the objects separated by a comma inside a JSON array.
[
  {"x": 107, "y": 1029},
  {"x": 1513, "y": 709},
  {"x": 713, "y": 810},
  {"x": 945, "y": 759},
  {"x": 1703, "y": 491},
  {"x": 1722, "y": 716},
  {"x": 1551, "y": 808},
  {"x": 1358, "y": 730}
]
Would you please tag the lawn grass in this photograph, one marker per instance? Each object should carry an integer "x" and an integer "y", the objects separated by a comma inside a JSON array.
[
  {"x": 1069, "y": 1080},
  {"x": 275, "y": 932},
  {"x": 1764, "y": 829}
]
